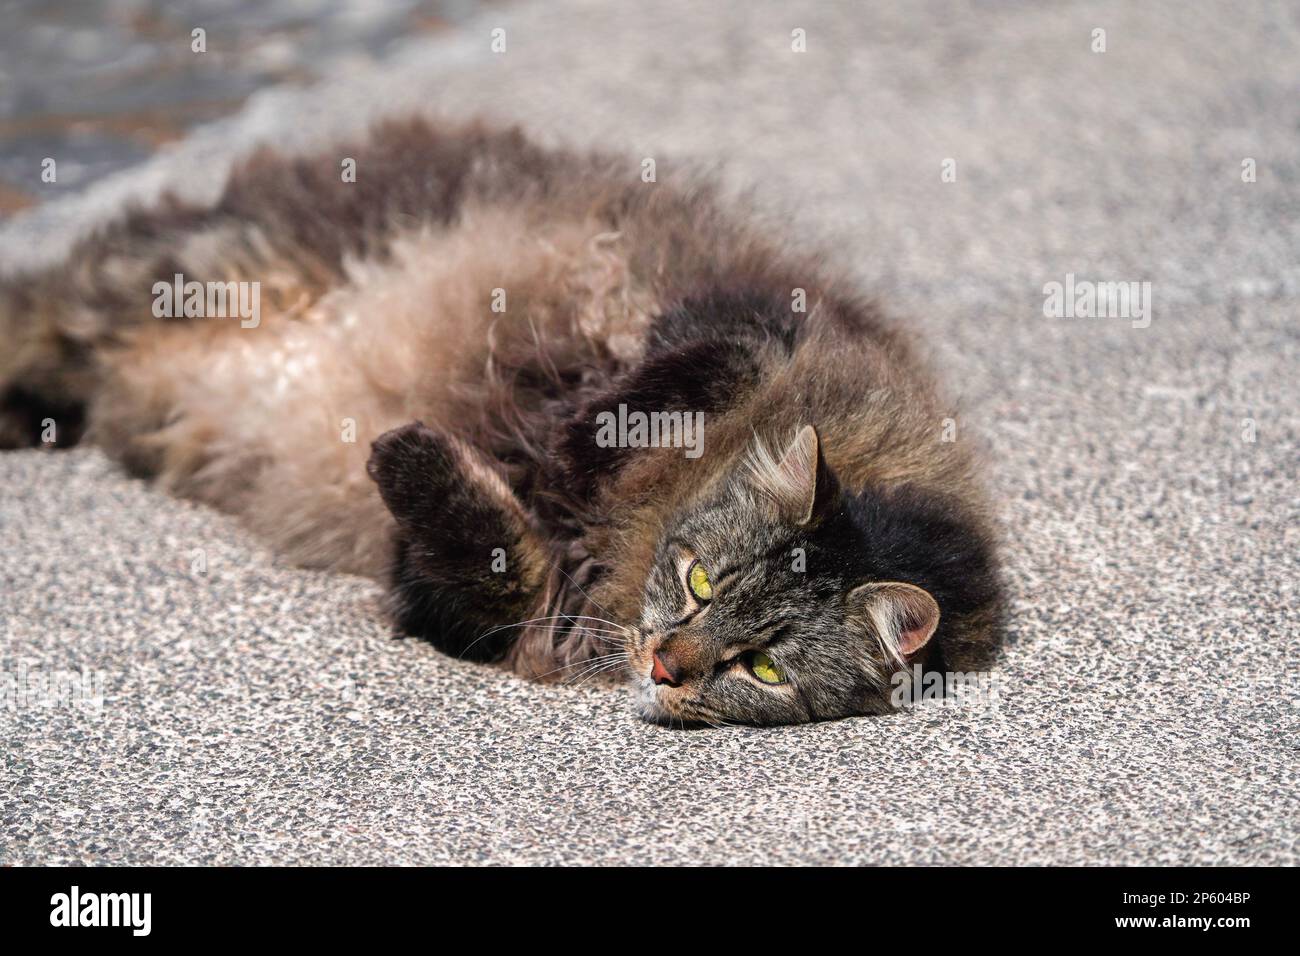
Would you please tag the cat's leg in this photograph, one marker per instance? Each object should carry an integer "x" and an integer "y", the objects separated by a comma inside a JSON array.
[
  {"x": 46, "y": 364},
  {"x": 470, "y": 561}
]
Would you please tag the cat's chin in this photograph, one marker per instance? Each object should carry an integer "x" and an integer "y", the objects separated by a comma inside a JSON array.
[{"x": 647, "y": 702}]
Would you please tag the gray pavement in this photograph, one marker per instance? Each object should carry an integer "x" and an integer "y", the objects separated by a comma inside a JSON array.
[
  {"x": 254, "y": 713},
  {"x": 101, "y": 86}
]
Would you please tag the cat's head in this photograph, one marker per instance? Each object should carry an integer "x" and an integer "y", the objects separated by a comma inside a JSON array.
[{"x": 783, "y": 598}]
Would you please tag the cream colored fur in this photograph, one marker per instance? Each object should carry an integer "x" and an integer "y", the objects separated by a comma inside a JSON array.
[{"x": 256, "y": 420}]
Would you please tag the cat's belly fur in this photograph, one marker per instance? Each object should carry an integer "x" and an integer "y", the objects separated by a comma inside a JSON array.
[{"x": 471, "y": 328}]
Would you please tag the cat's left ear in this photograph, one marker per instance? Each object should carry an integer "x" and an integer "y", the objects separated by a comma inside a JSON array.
[
  {"x": 902, "y": 616},
  {"x": 800, "y": 485}
]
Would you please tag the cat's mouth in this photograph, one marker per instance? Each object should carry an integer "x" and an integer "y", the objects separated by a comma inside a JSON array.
[
  {"x": 664, "y": 705},
  {"x": 659, "y": 703},
  {"x": 649, "y": 704},
  {"x": 654, "y": 702}
]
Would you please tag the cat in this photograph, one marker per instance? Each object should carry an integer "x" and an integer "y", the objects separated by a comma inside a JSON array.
[{"x": 428, "y": 396}]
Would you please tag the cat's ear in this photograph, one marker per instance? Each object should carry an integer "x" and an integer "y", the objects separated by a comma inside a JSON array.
[
  {"x": 800, "y": 485},
  {"x": 903, "y": 617}
]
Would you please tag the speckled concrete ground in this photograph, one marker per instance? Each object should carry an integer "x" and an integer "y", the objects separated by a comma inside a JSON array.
[{"x": 254, "y": 713}]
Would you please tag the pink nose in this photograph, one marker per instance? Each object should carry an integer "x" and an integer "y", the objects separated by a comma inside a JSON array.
[{"x": 662, "y": 674}]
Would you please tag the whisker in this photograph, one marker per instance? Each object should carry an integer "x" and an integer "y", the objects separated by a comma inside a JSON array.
[
  {"x": 616, "y": 657},
  {"x": 561, "y": 617},
  {"x": 583, "y": 590},
  {"x": 622, "y": 631},
  {"x": 604, "y": 668},
  {"x": 573, "y": 680},
  {"x": 599, "y": 620}
]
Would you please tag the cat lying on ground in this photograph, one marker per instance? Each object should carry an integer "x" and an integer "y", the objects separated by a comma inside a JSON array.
[{"x": 576, "y": 421}]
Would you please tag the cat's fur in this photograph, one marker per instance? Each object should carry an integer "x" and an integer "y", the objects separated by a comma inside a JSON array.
[{"x": 377, "y": 316}]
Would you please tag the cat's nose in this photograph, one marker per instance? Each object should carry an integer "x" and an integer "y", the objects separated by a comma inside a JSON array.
[{"x": 664, "y": 671}]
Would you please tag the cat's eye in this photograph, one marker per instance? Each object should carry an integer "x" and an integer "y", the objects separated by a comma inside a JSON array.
[
  {"x": 697, "y": 579},
  {"x": 766, "y": 669}
]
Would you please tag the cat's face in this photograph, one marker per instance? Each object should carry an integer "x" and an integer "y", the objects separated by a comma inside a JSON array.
[{"x": 756, "y": 610}]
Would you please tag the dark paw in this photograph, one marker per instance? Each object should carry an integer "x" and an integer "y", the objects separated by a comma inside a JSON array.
[
  {"x": 447, "y": 501},
  {"x": 28, "y": 420},
  {"x": 466, "y": 557},
  {"x": 415, "y": 468}
]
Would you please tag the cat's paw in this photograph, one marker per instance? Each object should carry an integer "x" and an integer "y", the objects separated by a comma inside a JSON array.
[
  {"x": 468, "y": 553},
  {"x": 454, "y": 507},
  {"x": 28, "y": 420},
  {"x": 415, "y": 468}
]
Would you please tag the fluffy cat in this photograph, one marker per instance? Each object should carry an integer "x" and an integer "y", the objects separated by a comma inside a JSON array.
[{"x": 428, "y": 395}]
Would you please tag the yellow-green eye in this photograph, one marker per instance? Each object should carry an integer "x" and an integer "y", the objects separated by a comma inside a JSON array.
[
  {"x": 766, "y": 669},
  {"x": 697, "y": 579}
]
